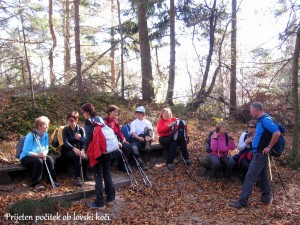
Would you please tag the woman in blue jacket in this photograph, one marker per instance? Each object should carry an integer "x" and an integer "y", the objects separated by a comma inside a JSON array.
[{"x": 34, "y": 157}]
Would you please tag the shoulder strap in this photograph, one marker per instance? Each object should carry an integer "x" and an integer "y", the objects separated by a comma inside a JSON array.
[
  {"x": 227, "y": 138},
  {"x": 107, "y": 120},
  {"x": 246, "y": 135}
]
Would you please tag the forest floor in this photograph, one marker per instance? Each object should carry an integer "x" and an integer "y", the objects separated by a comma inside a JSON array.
[{"x": 178, "y": 197}]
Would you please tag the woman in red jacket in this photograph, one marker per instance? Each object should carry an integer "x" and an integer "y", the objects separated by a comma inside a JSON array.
[{"x": 164, "y": 128}]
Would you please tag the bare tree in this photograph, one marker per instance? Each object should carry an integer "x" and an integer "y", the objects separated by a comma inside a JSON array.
[{"x": 27, "y": 62}]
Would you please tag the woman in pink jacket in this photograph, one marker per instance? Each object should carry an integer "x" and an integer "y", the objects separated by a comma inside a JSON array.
[{"x": 220, "y": 143}]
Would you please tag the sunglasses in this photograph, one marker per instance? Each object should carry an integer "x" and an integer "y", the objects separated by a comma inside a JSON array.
[
  {"x": 71, "y": 120},
  {"x": 251, "y": 126}
]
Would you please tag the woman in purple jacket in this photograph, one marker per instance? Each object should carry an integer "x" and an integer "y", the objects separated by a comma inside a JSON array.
[{"x": 220, "y": 143}]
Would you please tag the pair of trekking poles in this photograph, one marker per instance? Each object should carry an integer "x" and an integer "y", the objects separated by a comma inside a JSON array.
[
  {"x": 46, "y": 165},
  {"x": 133, "y": 181}
]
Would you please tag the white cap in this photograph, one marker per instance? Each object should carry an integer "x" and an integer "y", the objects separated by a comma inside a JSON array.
[{"x": 140, "y": 109}]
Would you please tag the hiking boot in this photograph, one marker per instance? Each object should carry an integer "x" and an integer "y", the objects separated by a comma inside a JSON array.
[
  {"x": 111, "y": 200},
  {"x": 170, "y": 166},
  {"x": 39, "y": 187},
  {"x": 148, "y": 146},
  {"x": 94, "y": 205},
  {"x": 78, "y": 182},
  {"x": 142, "y": 164},
  {"x": 237, "y": 205}
]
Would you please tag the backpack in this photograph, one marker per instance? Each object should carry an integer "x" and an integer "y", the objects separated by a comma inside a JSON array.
[
  {"x": 56, "y": 138},
  {"x": 125, "y": 129},
  {"x": 112, "y": 143},
  {"x": 179, "y": 131},
  {"x": 207, "y": 142},
  {"x": 279, "y": 146},
  {"x": 19, "y": 147}
]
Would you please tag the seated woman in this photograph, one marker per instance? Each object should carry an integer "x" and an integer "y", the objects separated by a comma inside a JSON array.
[
  {"x": 112, "y": 121},
  {"x": 72, "y": 151},
  {"x": 244, "y": 157},
  {"x": 220, "y": 143},
  {"x": 142, "y": 134},
  {"x": 34, "y": 157},
  {"x": 164, "y": 128}
]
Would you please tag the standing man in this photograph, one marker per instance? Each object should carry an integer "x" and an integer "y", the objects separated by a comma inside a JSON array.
[{"x": 267, "y": 134}]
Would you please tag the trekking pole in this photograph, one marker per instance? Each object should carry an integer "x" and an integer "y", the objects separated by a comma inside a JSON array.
[
  {"x": 131, "y": 177},
  {"x": 82, "y": 178},
  {"x": 40, "y": 147},
  {"x": 144, "y": 176},
  {"x": 280, "y": 180},
  {"x": 270, "y": 169}
]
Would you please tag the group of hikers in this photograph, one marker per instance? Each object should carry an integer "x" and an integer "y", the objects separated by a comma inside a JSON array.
[{"x": 254, "y": 146}]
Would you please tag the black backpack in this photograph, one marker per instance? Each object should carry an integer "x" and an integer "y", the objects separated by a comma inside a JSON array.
[
  {"x": 207, "y": 142},
  {"x": 179, "y": 131},
  {"x": 279, "y": 146}
]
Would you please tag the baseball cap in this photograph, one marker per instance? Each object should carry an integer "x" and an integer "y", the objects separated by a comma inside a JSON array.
[{"x": 140, "y": 109}]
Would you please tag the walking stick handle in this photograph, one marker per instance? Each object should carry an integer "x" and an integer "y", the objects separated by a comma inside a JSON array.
[{"x": 270, "y": 167}]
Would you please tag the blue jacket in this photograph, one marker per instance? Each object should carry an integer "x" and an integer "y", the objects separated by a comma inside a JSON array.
[{"x": 30, "y": 145}]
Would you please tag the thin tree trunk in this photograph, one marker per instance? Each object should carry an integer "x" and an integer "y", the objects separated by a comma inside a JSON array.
[
  {"x": 147, "y": 79},
  {"x": 171, "y": 82},
  {"x": 202, "y": 94},
  {"x": 27, "y": 63},
  {"x": 54, "y": 43},
  {"x": 112, "y": 51},
  {"x": 233, "y": 103},
  {"x": 122, "y": 51},
  {"x": 294, "y": 157},
  {"x": 67, "y": 54},
  {"x": 77, "y": 48}
]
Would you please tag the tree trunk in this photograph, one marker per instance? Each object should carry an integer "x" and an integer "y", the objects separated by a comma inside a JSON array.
[
  {"x": 122, "y": 51},
  {"x": 233, "y": 103},
  {"x": 294, "y": 157},
  {"x": 203, "y": 93},
  {"x": 171, "y": 82},
  {"x": 66, "y": 28},
  {"x": 77, "y": 48},
  {"x": 112, "y": 51},
  {"x": 54, "y": 43},
  {"x": 147, "y": 79},
  {"x": 27, "y": 63}
]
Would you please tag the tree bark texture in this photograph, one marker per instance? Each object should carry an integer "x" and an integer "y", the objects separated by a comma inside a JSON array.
[
  {"x": 295, "y": 72},
  {"x": 66, "y": 28},
  {"x": 54, "y": 43},
  {"x": 122, "y": 51},
  {"x": 171, "y": 82},
  {"x": 233, "y": 102},
  {"x": 77, "y": 48},
  {"x": 112, "y": 51},
  {"x": 147, "y": 79}
]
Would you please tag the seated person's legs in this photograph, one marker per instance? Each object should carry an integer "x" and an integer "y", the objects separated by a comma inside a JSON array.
[
  {"x": 148, "y": 134},
  {"x": 35, "y": 164},
  {"x": 136, "y": 146},
  {"x": 215, "y": 165}
]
